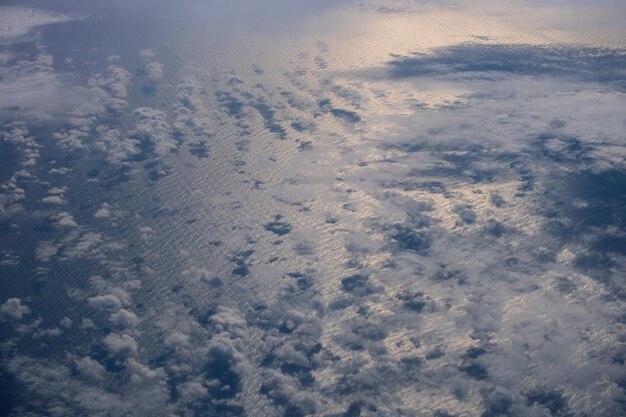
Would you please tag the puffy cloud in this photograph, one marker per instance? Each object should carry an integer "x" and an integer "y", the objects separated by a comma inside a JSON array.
[
  {"x": 53, "y": 199},
  {"x": 66, "y": 323},
  {"x": 87, "y": 324},
  {"x": 45, "y": 250},
  {"x": 192, "y": 391},
  {"x": 17, "y": 134},
  {"x": 74, "y": 137},
  {"x": 90, "y": 369},
  {"x": 115, "y": 81},
  {"x": 154, "y": 69},
  {"x": 120, "y": 345},
  {"x": 116, "y": 147},
  {"x": 467, "y": 221},
  {"x": 142, "y": 375},
  {"x": 124, "y": 318},
  {"x": 112, "y": 301},
  {"x": 176, "y": 339},
  {"x": 107, "y": 302},
  {"x": 283, "y": 390},
  {"x": 10, "y": 194},
  {"x": 152, "y": 128},
  {"x": 14, "y": 308},
  {"x": 202, "y": 275},
  {"x": 55, "y": 196},
  {"x": 103, "y": 212},
  {"x": 79, "y": 245},
  {"x": 65, "y": 219}
]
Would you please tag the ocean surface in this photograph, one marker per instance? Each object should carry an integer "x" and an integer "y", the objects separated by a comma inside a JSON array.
[{"x": 312, "y": 208}]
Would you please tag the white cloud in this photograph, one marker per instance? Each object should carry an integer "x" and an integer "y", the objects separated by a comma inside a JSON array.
[
  {"x": 116, "y": 147},
  {"x": 90, "y": 369},
  {"x": 14, "y": 308},
  {"x": 55, "y": 196},
  {"x": 154, "y": 68},
  {"x": 45, "y": 250},
  {"x": 142, "y": 375},
  {"x": 435, "y": 285},
  {"x": 154, "y": 71},
  {"x": 103, "y": 212},
  {"x": 18, "y": 21},
  {"x": 192, "y": 391},
  {"x": 53, "y": 199},
  {"x": 42, "y": 95},
  {"x": 87, "y": 324},
  {"x": 115, "y": 81},
  {"x": 66, "y": 219},
  {"x": 152, "y": 126},
  {"x": 124, "y": 318},
  {"x": 120, "y": 345},
  {"x": 110, "y": 302}
]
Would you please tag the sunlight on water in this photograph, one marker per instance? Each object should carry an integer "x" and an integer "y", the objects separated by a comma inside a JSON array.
[{"x": 325, "y": 208}]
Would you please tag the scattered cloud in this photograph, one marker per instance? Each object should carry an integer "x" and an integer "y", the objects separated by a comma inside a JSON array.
[
  {"x": 333, "y": 237},
  {"x": 14, "y": 308}
]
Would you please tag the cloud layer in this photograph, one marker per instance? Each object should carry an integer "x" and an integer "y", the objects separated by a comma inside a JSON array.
[{"x": 362, "y": 218}]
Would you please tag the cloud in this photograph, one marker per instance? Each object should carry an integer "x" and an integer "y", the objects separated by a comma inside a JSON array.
[
  {"x": 41, "y": 94},
  {"x": 204, "y": 276},
  {"x": 117, "y": 148},
  {"x": 103, "y": 212},
  {"x": 18, "y": 21},
  {"x": 124, "y": 319},
  {"x": 153, "y": 69},
  {"x": 14, "y": 308},
  {"x": 283, "y": 390},
  {"x": 45, "y": 251},
  {"x": 17, "y": 135},
  {"x": 466, "y": 215},
  {"x": 90, "y": 369},
  {"x": 152, "y": 128},
  {"x": 36, "y": 92},
  {"x": 55, "y": 196},
  {"x": 114, "y": 81},
  {"x": 120, "y": 345},
  {"x": 65, "y": 219},
  {"x": 110, "y": 302},
  {"x": 474, "y": 60}
]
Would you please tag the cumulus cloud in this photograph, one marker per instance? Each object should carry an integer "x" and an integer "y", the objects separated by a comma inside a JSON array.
[
  {"x": 14, "y": 308},
  {"x": 114, "y": 81},
  {"x": 124, "y": 319},
  {"x": 116, "y": 147},
  {"x": 90, "y": 369},
  {"x": 154, "y": 68},
  {"x": 120, "y": 345},
  {"x": 55, "y": 196},
  {"x": 103, "y": 212},
  {"x": 45, "y": 251},
  {"x": 152, "y": 128},
  {"x": 438, "y": 235},
  {"x": 112, "y": 301},
  {"x": 65, "y": 219},
  {"x": 17, "y": 134}
]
